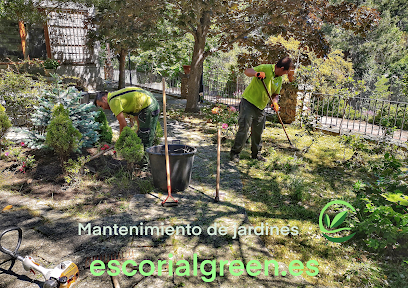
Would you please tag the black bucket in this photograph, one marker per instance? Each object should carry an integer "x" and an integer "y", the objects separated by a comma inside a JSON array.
[{"x": 181, "y": 163}]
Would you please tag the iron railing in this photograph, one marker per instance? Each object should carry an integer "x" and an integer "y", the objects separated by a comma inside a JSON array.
[
  {"x": 376, "y": 119},
  {"x": 223, "y": 92},
  {"x": 150, "y": 80}
]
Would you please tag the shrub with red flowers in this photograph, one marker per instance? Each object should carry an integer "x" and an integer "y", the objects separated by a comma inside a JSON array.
[
  {"x": 223, "y": 116},
  {"x": 105, "y": 147},
  {"x": 16, "y": 154},
  {"x": 26, "y": 162}
]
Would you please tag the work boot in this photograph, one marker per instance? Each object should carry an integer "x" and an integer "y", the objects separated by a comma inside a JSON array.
[
  {"x": 234, "y": 157},
  {"x": 259, "y": 158}
]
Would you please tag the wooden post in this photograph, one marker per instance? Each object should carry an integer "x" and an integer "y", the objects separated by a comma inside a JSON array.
[
  {"x": 23, "y": 36},
  {"x": 47, "y": 40},
  {"x": 217, "y": 187}
]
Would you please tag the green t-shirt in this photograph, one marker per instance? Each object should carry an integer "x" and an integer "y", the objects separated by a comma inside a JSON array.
[
  {"x": 255, "y": 92},
  {"x": 129, "y": 100}
]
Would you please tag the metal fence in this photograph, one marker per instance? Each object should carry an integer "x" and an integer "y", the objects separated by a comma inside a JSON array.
[
  {"x": 223, "y": 92},
  {"x": 150, "y": 80},
  {"x": 67, "y": 33},
  {"x": 376, "y": 119},
  {"x": 229, "y": 93}
]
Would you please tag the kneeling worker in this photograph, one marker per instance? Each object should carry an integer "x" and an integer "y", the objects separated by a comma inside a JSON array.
[{"x": 136, "y": 102}]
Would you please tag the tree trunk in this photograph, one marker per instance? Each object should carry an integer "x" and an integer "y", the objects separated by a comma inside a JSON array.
[
  {"x": 108, "y": 64},
  {"x": 23, "y": 36},
  {"x": 122, "y": 63},
  {"x": 197, "y": 63}
]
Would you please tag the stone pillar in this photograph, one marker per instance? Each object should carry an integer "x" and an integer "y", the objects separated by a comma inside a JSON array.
[{"x": 288, "y": 103}]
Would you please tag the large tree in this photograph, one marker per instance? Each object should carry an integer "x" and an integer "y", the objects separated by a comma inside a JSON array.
[
  {"x": 251, "y": 22},
  {"x": 379, "y": 57},
  {"x": 23, "y": 12},
  {"x": 126, "y": 26}
]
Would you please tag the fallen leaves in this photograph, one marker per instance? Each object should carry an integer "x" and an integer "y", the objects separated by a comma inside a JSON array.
[{"x": 8, "y": 207}]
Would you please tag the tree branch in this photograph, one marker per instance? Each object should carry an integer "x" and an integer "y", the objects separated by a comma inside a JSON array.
[{"x": 239, "y": 37}]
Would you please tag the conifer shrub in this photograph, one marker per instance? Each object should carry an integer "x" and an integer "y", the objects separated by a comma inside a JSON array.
[
  {"x": 129, "y": 146},
  {"x": 81, "y": 115},
  {"x": 104, "y": 130},
  {"x": 62, "y": 136}
]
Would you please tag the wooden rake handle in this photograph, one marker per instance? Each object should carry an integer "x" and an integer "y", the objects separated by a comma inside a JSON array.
[{"x": 277, "y": 112}]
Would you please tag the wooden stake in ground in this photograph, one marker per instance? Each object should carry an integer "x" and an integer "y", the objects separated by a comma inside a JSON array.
[
  {"x": 115, "y": 281},
  {"x": 217, "y": 188}
]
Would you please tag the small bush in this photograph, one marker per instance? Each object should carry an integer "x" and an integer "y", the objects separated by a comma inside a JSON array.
[
  {"x": 383, "y": 218},
  {"x": 62, "y": 136},
  {"x": 74, "y": 170},
  {"x": 19, "y": 93},
  {"x": 130, "y": 146},
  {"x": 51, "y": 64},
  {"x": 5, "y": 123},
  {"x": 221, "y": 114},
  {"x": 104, "y": 130},
  {"x": 159, "y": 134}
]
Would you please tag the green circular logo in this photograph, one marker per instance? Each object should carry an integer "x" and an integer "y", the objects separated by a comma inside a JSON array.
[{"x": 324, "y": 220}]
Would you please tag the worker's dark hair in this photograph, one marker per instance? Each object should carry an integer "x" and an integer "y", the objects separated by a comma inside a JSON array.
[
  {"x": 285, "y": 62},
  {"x": 99, "y": 96}
]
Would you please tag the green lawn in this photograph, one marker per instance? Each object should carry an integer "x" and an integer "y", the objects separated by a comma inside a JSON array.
[
  {"x": 291, "y": 188},
  {"x": 294, "y": 185}
]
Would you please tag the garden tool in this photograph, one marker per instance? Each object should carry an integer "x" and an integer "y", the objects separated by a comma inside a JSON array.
[
  {"x": 63, "y": 275},
  {"x": 277, "y": 111},
  {"x": 166, "y": 203}
]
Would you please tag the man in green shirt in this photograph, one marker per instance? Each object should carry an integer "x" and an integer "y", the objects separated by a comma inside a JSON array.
[
  {"x": 136, "y": 102},
  {"x": 255, "y": 99}
]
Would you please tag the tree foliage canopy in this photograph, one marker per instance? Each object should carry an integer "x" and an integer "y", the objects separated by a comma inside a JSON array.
[{"x": 250, "y": 23}]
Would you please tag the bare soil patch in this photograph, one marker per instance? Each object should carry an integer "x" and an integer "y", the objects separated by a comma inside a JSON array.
[{"x": 105, "y": 188}]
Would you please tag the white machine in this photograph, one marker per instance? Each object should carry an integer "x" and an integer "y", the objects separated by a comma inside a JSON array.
[{"x": 63, "y": 275}]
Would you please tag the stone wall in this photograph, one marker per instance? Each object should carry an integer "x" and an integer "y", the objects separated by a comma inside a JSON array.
[
  {"x": 288, "y": 103},
  {"x": 90, "y": 76}
]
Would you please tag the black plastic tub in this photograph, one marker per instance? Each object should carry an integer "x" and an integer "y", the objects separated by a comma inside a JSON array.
[{"x": 181, "y": 163}]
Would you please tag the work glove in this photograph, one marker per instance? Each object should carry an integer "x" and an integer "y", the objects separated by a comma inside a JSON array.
[
  {"x": 260, "y": 75},
  {"x": 275, "y": 105}
]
